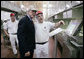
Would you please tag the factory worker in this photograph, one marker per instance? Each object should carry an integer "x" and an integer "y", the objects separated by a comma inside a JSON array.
[
  {"x": 10, "y": 30},
  {"x": 42, "y": 29}
]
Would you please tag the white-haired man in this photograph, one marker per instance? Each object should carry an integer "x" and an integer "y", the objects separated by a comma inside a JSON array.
[{"x": 26, "y": 35}]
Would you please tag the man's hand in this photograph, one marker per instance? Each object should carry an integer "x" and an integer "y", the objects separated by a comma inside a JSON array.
[
  {"x": 58, "y": 24},
  {"x": 6, "y": 33},
  {"x": 27, "y": 54},
  {"x": 62, "y": 22}
]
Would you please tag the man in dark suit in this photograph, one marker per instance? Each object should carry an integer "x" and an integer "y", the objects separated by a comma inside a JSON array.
[{"x": 26, "y": 35}]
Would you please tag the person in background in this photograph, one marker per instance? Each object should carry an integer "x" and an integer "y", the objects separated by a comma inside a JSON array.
[
  {"x": 42, "y": 29},
  {"x": 26, "y": 35},
  {"x": 10, "y": 30},
  {"x": 5, "y": 22},
  {"x": 4, "y": 36}
]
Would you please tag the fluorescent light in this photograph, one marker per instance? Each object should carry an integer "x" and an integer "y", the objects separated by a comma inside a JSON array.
[
  {"x": 67, "y": 6},
  {"x": 11, "y": 1},
  {"x": 78, "y": 1},
  {"x": 44, "y": 5},
  {"x": 22, "y": 6}
]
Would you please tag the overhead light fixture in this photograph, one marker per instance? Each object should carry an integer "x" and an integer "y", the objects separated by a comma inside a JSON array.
[
  {"x": 44, "y": 5},
  {"x": 11, "y": 1},
  {"x": 67, "y": 6},
  {"x": 78, "y": 1},
  {"x": 22, "y": 6}
]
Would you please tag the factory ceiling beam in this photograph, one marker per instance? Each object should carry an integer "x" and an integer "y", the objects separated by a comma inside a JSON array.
[
  {"x": 10, "y": 7},
  {"x": 75, "y": 6}
]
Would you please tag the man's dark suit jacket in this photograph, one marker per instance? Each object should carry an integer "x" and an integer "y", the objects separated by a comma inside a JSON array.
[{"x": 26, "y": 35}]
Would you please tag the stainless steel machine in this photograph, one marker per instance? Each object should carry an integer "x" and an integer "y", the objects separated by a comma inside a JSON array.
[{"x": 69, "y": 44}]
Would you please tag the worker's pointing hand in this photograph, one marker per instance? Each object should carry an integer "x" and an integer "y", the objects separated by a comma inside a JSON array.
[{"x": 62, "y": 22}]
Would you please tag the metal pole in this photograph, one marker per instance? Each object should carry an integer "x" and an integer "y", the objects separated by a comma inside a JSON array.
[{"x": 55, "y": 48}]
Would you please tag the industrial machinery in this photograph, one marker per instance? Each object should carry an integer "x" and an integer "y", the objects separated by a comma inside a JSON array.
[{"x": 68, "y": 44}]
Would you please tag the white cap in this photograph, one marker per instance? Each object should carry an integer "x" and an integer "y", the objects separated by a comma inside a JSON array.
[
  {"x": 5, "y": 20},
  {"x": 31, "y": 8}
]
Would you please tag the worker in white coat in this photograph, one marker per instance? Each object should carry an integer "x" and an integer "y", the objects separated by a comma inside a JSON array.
[
  {"x": 10, "y": 30},
  {"x": 42, "y": 29}
]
